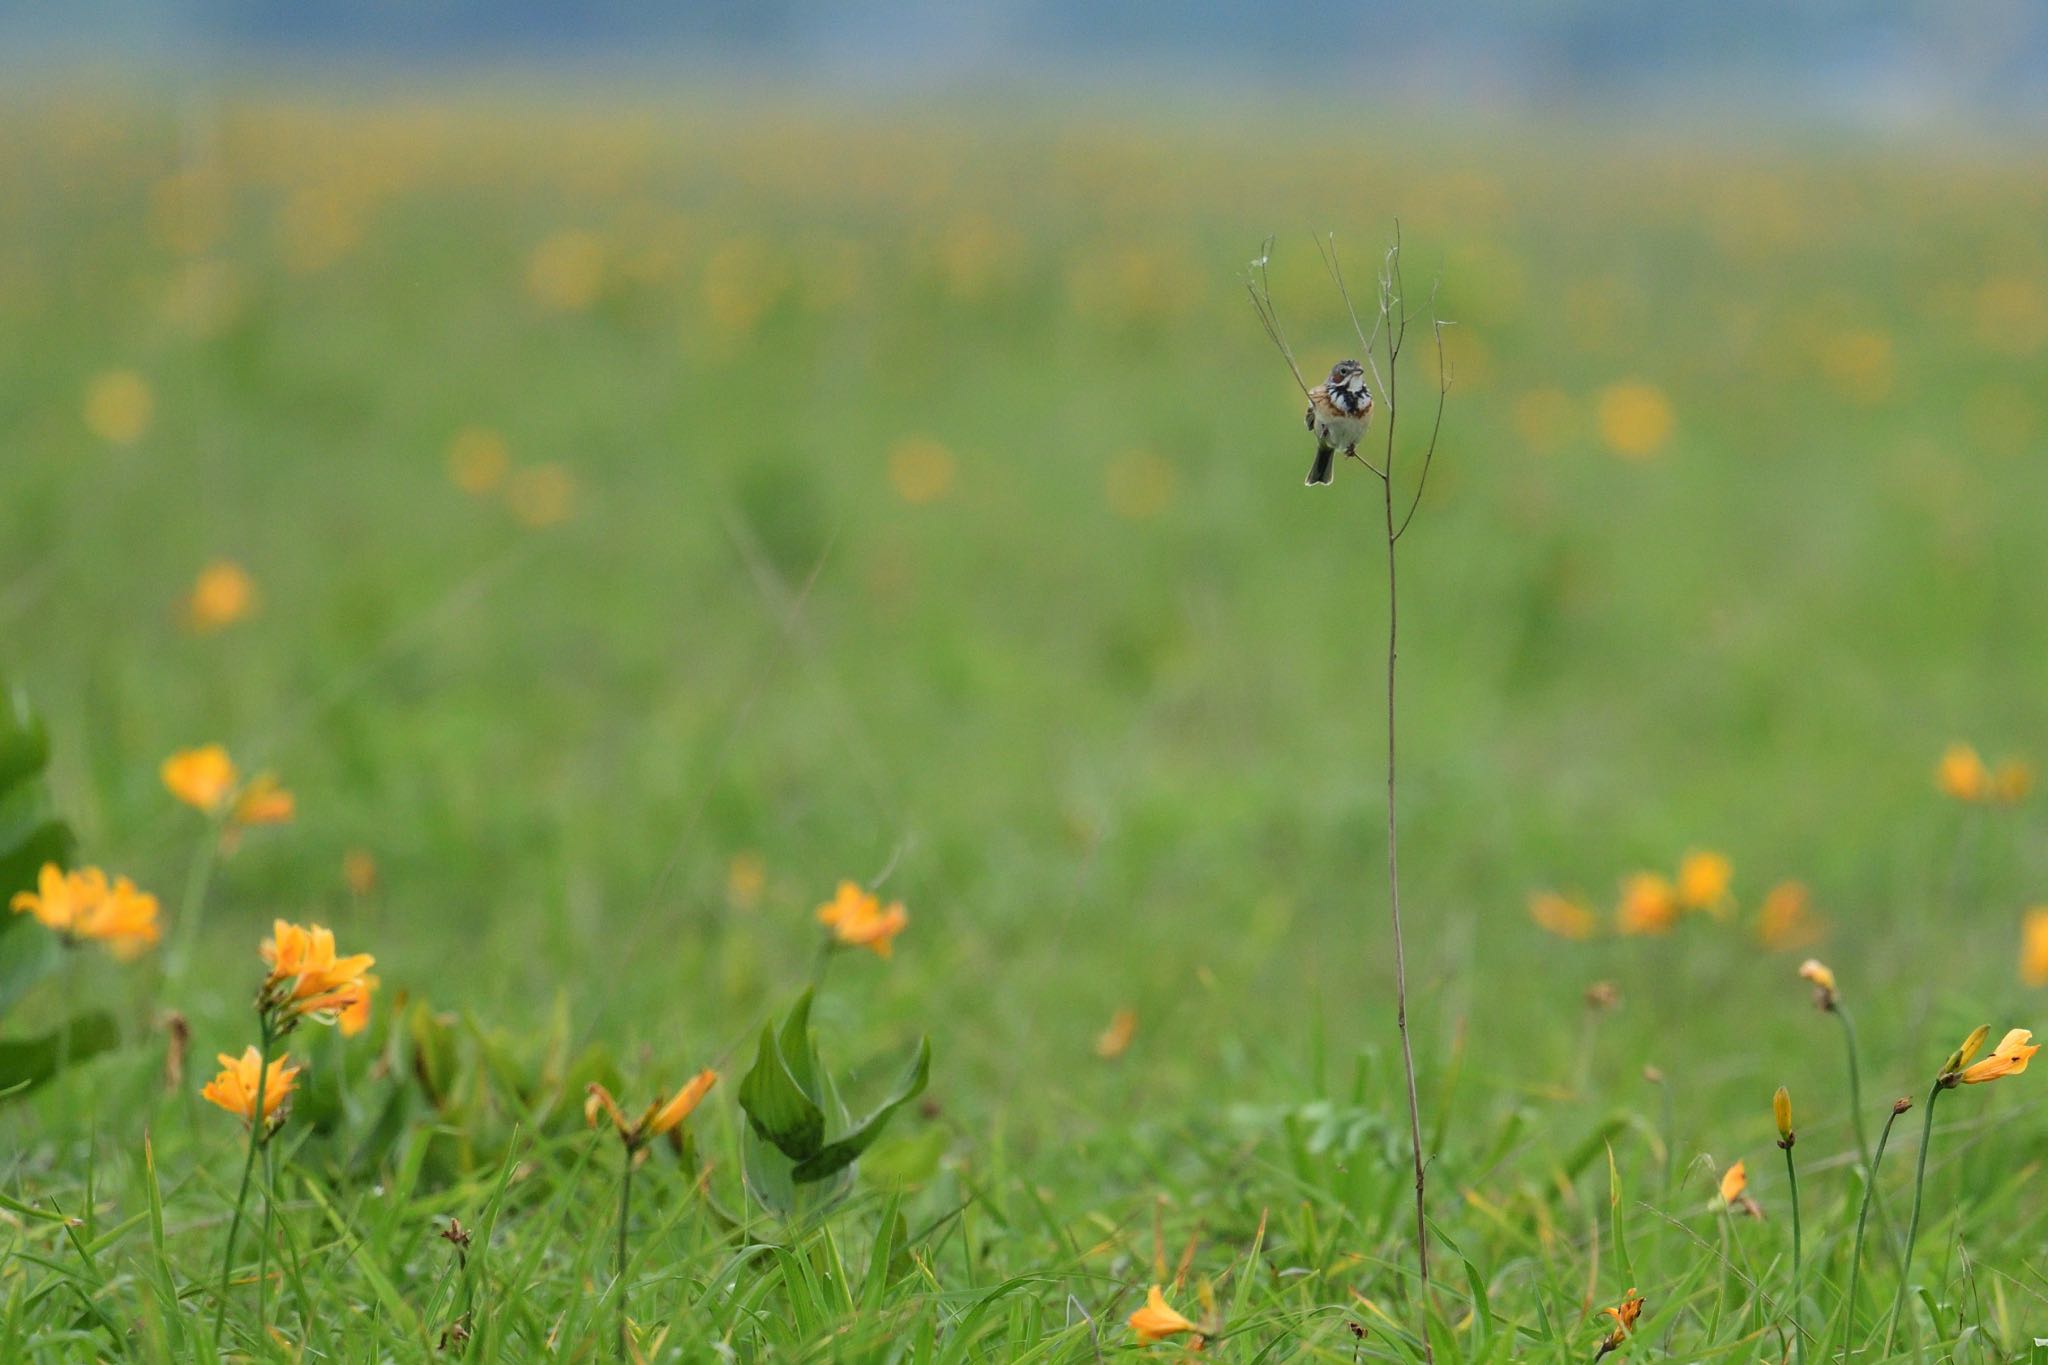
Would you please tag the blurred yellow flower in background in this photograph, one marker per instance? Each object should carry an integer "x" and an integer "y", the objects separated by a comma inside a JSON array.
[
  {"x": 1703, "y": 879},
  {"x": 1635, "y": 419},
  {"x": 1963, "y": 774},
  {"x": 477, "y": 460},
  {"x": 1566, "y": 916},
  {"x": 1115, "y": 1040},
  {"x": 1860, "y": 364},
  {"x": 359, "y": 871},
  {"x": 746, "y": 876},
  {"x": 542, "y": 496},
  {"x": 857, "y": 920},
  {"x": 1785, "y": 920},
  {"x": 118, "y": 406},
  {"x": 2034, "y": 947},
  {"x": 1140, "y": 484},
  {"x": 1649, "y": 905},
  {"x": 566, "y": 271},
  {"x": 83, "y": 907},
  {"x": 222, "y": 595},
  {"x": 920, "y": 470},
  {"x": 234, "y": 1089},
  {"x": 263, "y": 802},
  {"x": 203, "y": 778},
  {"x": 318, "y": 225},
  {"x": 1734, "y": 1181}
]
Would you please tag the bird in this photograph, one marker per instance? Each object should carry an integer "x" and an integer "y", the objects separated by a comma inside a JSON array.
[{"x": 1338, "y": 410}]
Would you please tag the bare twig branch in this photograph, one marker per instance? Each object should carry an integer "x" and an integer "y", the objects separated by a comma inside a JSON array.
[
  {"x": 1443, "y": 390},
  {"x": 1261, "y": 291},
  {"x": 1329, "y": 254}
]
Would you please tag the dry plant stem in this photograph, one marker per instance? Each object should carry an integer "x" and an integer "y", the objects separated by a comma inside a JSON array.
[
  {"x": 1913, "y": 1223},
  {"x": 1862, "y": 1218},
  {"x": 257, "y": 1138},
  {"x": 625, "y": 1215}
]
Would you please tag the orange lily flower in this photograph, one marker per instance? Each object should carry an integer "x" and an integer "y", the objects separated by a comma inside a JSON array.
[
  {"x": 234, "y": 1089},
  {"x": 1734, "y": 1181},
  {"x": 307, "y": 979},
  {"x": 1703, "y": 879},
  {"x": 1565, "y": 916},
  {"x": 203, "y": 778},
  {"x": 857, "y": 920},
  {"x": 1649, "y": 905},
  {"x": 2009, "y": 1058},
  {"x": 1157, "y": 1320},
  {"x": 660, "y": 1117}
]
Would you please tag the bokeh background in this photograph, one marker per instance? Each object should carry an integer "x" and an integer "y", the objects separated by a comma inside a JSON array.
[{"x": 684, "y": 458}]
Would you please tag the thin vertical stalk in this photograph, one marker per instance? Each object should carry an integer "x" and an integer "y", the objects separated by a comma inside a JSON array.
[
  {"x": 1913, "y": 1223},
  {"x": 1856, "y": 1112},
  {"x": 1792, "y": 1178},
  {"x": 258, "y": 1136},
  {"x": 1394, "y": 914},
  {"x": 263, "y": 1250},
  {"x": 1863, "y": 1217},
  {"x": 625, "y": 1216},
  {"x": 190, "y": 909}
]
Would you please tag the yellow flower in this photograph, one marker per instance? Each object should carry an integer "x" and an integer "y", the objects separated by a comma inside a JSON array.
[
  {"x": 2009, "y": 1058},
  {"x": 308, "y": 980},
  {"x": 59, "y": 899},
  {"x": 745, "y": 878},
  {"x": 1565, "y": 916},
  {"x": 82, "y": 906},
  {"x": 359, "y": 871},
  {"x": 920, "y": 470},
  {"x": 1784, "y": 921},
  {"x": 235, "y": 1088},
  {"x": 1649, "y": 905},
  {"x": 222, "y": 595},
  {"x": 1703, "y": 879},
  {"x": 1781, "y": 1112},
  {"x": 542, "y": 496},
  {"x": 125, "y": 919},
  {"x": 660, "y": 1117},
  {"x": 2012, "y": 781},
  {"x": 2034, "y": 947},
  {"x": 566, "y": 271},
  {"x": 118, "y": 406},
  {"x": 477, "y": 460},
  {"x": 857, "y": 920},
  {"x": 1624, "y": 1314},
  {"x": 1635, "y": 419},
  {"x": 1962, "y": 774},
  {"x": 1115, "y": 1040},
  {"x": 1157, "y": 1320},
  {"x": 1734, "y": 1181},
  {"x": 263, "y": 802},
  {"x": 354, "y": 1015},
  {"x": 1823, "y": 979},
  {"x": 203, "y": 778}
]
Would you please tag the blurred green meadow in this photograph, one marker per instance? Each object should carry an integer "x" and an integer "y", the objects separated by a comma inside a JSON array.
[{"x": 658, "y": 512}]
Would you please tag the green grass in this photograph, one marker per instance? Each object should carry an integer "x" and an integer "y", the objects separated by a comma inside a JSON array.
[{"x": 1105, "y": 715}]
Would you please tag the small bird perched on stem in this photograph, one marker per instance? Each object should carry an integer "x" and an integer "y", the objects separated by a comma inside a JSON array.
[{"x": 1338, "y": 410}]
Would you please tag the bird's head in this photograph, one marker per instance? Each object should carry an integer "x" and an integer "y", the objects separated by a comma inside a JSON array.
[{"x": 1347, "y": 374}]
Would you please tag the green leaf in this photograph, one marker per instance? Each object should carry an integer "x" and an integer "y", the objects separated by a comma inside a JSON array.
[
  {"x": 23, "y": 851},
  {"x": 24, "y": 745},
  {"x": 799, "y": 1052},
  {"x": 27, "y": 1062},
  {"x": 28, "y": 953},
  {"x": 834, "y": 1157},
  {"x": 433, "y": 1057},
  {"x": 776, "y": 1106}
]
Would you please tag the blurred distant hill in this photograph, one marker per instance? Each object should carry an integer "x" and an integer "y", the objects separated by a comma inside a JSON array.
[{"x": 1898, "y": 61}]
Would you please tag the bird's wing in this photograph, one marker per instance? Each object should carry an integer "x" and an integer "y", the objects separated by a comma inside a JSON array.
[{"x": 1315, "y": 395}]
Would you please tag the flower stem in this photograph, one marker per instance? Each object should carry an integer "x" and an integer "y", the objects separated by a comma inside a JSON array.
[
  {"x": 1913, "y": 1223},
  {"x": 190, "y": 910},
  {"x": 625, "y": 1214},
  {"x": 1792, "y": 1178},
  {"x": 263, "y": 1250},
  {"x": 258, "y": 1135},
  {"x": 1862, "y": 1129},
  {"x": 1863, "y": 1217}
]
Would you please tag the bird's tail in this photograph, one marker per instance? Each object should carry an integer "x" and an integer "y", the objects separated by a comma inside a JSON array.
[{"x": 1324, "y": 469}]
